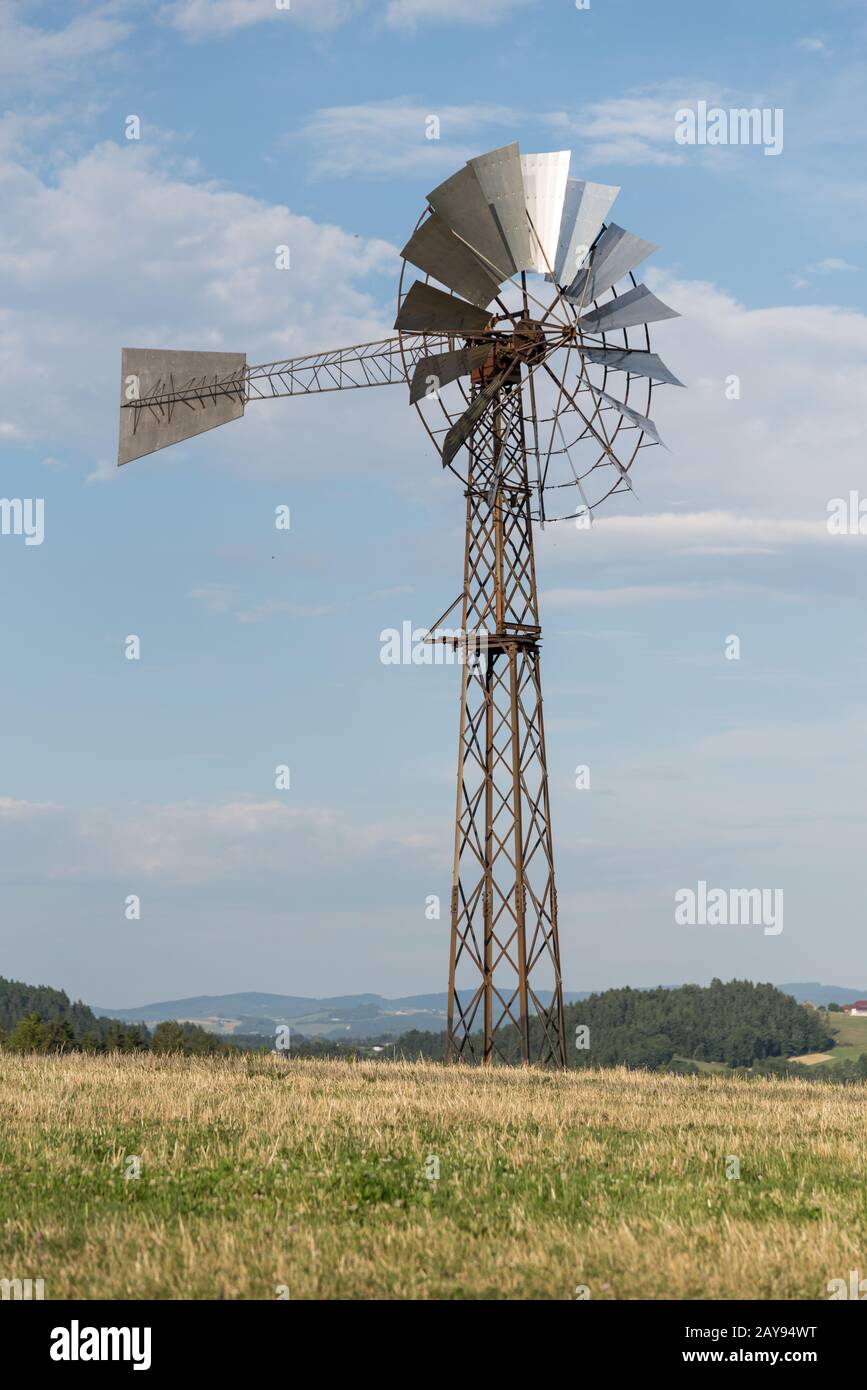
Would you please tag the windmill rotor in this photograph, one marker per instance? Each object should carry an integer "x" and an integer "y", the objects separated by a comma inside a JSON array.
[
  {"x": 582, "y": 327},
  {"x": 523, "y": 337}
]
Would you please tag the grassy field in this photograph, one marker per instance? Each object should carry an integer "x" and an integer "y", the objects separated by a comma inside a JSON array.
[
  {"x": 850, "y": 1035},
  {"x": 259, "y": 1173}
]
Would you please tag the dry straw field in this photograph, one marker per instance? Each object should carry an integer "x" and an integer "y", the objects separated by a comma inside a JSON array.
[{"x": 263, "y": 1178}]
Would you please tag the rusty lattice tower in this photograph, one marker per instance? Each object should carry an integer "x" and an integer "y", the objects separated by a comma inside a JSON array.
[{"x": 511, "y": 380}]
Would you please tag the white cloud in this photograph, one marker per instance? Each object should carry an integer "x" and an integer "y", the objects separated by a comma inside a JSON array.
[
  {"x": 284, "y": 608},
  {"x": 389, "y": 137},
  {"x": 833, "y": 263},
  {"x": 407, "y": 14},
  {"x": 634, "y": 129},
  {"x": 812, "y": 45},
  {"x": 213, "y": 19},
  {"x": 625, "y": 596},
  {"x": 829, "y": 265},
  {"x": 119, "y": 251},
  {"x": 224, "y": 598},
  {"x": 681, "y": 533},
  {"x": 793, "y": 438},
  {"x": 217, "y": 598},
  {"x": 191, "y": 842},
  {"x": 49, "y": 56}
]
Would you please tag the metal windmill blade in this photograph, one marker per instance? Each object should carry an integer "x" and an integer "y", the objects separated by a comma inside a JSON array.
[
  {"x": 637, "y": 306},
  {"x": 642, "y": 422},
  {"x": 429, "y": 310},
  {"x": 585, "y": 208},
  {"x": 435, "y": 249},
  {"x": 217, "y": 378},
  {"x": 615, "y": 254},
  {"x": 545, "y": 178},
  {"x": 432, "y": 373},
  {"x": 501, "y": 177},
  {"x": 635, "y": 361},
  {"x": 462, "y": 205},
  {"x": 527, "y": 418}
]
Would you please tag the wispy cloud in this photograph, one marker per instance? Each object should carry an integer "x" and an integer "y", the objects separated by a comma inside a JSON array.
[
  {"x": 685, "y": 533},
  {"x": 381, "y": 139},
  {"x": 204, "y": 257},
  {"x": 217, "y": 598},
  {"x": 284, "y": 608},
  {"x": 189, "y": 842},
  {"x": 637, "y": 128},
  {"x": 408, "y": 14},
  {"x": 224, "y": 598},
  {"x": 628, "y": 595},
  {"x": 213, "y": 19},
  {"x": 831, "y": 264},
  {"x": 47, "y": 57}
]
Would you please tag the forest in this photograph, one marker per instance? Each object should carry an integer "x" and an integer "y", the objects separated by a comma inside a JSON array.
[{"x": 734, "y": 1024}]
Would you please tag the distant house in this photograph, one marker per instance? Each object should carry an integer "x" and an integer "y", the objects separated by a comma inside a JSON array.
[{"x": 859, "y": 1008}]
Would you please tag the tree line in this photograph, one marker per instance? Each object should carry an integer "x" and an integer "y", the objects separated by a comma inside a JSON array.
[
  {"x": 738, "y": 1023},
  {"x": 36, "y": 1018}
]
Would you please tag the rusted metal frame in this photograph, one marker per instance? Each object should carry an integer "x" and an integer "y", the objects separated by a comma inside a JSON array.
[
  {"x": 554, "y": 934},
  {"x": 606, "y": 447},
  {"x": 543, "y": 830},
  {"x": 502, "y": 712},
  {"x": 467, "y": 1019},
  {"x": 557, "y": 408},
  {"x": 464, "y": 806},
  {"x": 536, "y": 755},
  {"x": 381, "y": 364},
  {"x": 532, "y": 389},
  {"x": 504, "y": 948},
  {"x": 523, "y": 887},
  {"x": 489, "y": 265},
  {"x": 546, "y": 1013},
  {"x": 519, "y": 572},
  {"x": 471, "y": 834},
  {"x": 467, "y": 941}
]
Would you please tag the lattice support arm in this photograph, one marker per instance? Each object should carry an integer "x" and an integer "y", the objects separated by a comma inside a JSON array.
[{"x": 382, "y": 363}]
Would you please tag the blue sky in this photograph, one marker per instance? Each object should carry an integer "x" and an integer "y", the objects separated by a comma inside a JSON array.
[{"x": 307, "y": 127}]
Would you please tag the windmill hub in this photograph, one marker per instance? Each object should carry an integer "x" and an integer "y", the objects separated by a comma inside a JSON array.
[{"x": 512, "y": 381}]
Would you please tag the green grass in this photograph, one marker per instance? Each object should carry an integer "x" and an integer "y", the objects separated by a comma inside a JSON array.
[
  {"x": 708, "y": 1068},
  {"x": 259, "y": 1173},
  {"x": 850, "y": 1035}
]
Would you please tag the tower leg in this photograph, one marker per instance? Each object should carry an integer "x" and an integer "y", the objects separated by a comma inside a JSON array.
[{"x": 505, "y": 987}]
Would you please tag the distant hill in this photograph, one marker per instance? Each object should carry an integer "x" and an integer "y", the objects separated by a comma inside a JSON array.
[
  {"x": 346, "y": 1017},
  {"x": 70, "y": 1022},
  {"x": 688, "y": 1028},
  {"x": 38, "y": 1018},
  {"x": 736, "y": 1023},
  {"x": 813, "y": 993},
  {"x": 342, "y": 1016}
]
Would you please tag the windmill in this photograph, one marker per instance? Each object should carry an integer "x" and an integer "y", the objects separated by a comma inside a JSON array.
[{"x": 512, "y": 368}]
